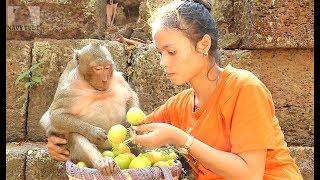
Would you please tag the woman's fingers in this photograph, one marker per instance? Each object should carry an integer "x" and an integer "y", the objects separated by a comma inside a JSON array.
[
  {"x": 144, "y": 127},
  {"x": 146, "y": 140}
]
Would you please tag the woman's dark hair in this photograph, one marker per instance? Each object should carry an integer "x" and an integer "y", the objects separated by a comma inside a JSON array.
[{"x": 193, "y": 18}]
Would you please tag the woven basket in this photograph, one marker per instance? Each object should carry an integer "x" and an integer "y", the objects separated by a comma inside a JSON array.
[{"x": 168, "y": 173}]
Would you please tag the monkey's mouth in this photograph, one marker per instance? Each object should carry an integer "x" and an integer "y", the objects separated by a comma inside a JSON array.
[
  {"x": 100, "y": 86},
  {"x": 103, "y": 89}
]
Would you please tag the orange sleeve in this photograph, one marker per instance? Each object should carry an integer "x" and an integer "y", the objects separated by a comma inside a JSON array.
[
  {"x": 253, "y": 123},
  {"x": 161, "y": 113}
]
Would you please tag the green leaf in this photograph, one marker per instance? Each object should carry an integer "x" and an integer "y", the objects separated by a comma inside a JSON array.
[
  {"x": 37, "y": 79},
  {"x": 35, "y": 66},
  {"x": 22, "y": 76}
]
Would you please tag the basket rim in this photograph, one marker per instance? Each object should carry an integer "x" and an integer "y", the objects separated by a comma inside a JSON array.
[
  {"x": 74, "y": 171},
  {"x": 73, "y": 165}
]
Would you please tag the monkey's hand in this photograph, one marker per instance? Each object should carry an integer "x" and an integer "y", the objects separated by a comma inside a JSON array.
[
  {"x": 105, "y": 165},
  {"x": 97, "y": 135}
]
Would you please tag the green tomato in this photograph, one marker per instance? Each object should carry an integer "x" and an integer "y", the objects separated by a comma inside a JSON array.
[
  {"x": 108, "y": 154},
  {"x": 123, "y": 161},
  {"x": 135, "y": 116},
  {"x": 117, "y": 134},
  {"x": 162, "y": 163},
  {"x": 140, "y": 162},
  {"x": 81, "y": 164}
]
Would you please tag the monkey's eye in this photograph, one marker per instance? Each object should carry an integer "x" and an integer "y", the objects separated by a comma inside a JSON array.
[{"x": 97, "y": 68}]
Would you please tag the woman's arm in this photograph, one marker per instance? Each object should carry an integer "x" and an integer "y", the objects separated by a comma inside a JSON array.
[{"x": 246, "y": 165}]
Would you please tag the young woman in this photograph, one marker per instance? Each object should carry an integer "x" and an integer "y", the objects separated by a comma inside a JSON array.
[{"x": 226, "y": 121}]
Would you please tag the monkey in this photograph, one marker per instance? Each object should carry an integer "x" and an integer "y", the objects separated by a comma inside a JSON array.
[{"x": 91, "y": 97}]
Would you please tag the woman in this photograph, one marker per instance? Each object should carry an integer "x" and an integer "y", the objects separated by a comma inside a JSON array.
[{"x": 226, "y": 120}]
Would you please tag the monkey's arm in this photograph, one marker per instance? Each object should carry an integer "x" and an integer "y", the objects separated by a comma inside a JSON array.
[
  {"x": 65, "y": 122},
  {"x": 45, "y": 123},
  {"x": 133, "y": 100},
  {"x": 71, "y": 65}
]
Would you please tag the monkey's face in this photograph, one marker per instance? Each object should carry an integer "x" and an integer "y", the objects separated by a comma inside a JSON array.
[
  {"x": 96, "y": 65},
  {"x": 22, "y": 15},
  {"x": 99, "y": 75}
]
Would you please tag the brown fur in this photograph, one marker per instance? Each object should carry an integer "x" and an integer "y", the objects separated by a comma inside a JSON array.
[{"x": 83, "y": 114}]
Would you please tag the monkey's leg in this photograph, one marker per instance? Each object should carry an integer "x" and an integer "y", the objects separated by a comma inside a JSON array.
[
  {"x": 109, "y": 14},
  {"x": 83, "y": 150}
]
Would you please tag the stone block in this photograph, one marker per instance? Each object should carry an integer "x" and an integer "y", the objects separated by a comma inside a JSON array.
[
  {"x": 223, "y": 14},
  {"x": 56, "y": 19},
  {"x": 39, "y": 165},
  {"x": 26, "y": 160},
  {"x": 18, "y": 60},
  {"x": 15, "y": 162},
  {"x": 270, "y": 24}
]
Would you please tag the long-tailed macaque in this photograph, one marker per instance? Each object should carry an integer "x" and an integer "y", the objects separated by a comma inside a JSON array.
[{"x": 91, "y": 97}]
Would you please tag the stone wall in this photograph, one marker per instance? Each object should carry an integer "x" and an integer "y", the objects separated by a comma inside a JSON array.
[
  {"x": 288, "y": 74},
  {"x": 272, "y": 39}
]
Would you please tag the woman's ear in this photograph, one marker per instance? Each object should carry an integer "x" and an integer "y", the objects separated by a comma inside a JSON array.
[{"x": 204, "y": 44}]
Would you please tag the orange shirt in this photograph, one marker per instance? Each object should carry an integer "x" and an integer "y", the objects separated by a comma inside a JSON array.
[{"x": 239, "y": 116}]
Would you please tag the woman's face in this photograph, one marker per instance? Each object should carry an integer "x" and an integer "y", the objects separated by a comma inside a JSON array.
[{"x": 180, "y": 60}]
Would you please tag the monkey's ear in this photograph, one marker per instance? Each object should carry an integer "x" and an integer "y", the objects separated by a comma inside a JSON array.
[{"x": 76, "y": 54}]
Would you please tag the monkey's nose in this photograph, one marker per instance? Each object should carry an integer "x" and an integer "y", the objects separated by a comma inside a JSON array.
[{"x": 105, "y": 79}]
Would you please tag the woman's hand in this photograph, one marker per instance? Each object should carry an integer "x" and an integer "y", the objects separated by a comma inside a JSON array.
[
  {"x": 159, "y": 134},
  {"x": 55, "y": 151}
]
